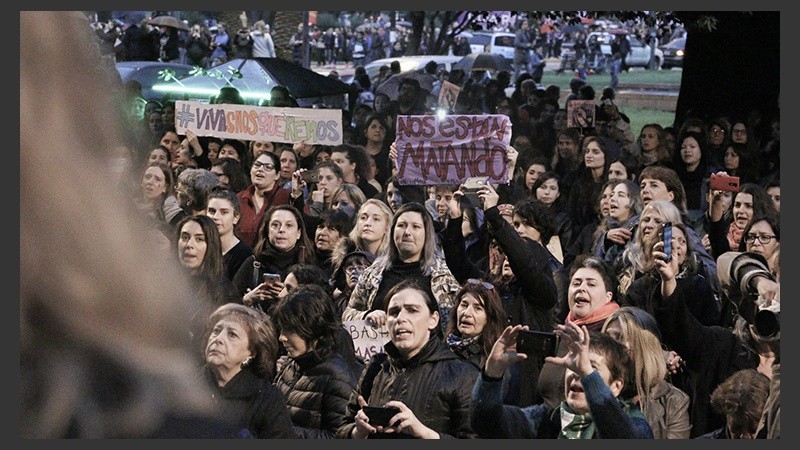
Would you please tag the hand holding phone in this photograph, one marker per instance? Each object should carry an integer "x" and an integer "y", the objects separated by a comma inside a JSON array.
[
  {"x": 310, "y": 176},
  {"x": 537, "y": 343},
  {"x": 666, "y": 236},
  {"x": 723, "y": 183},
  {"x": 380, "y": 415}
]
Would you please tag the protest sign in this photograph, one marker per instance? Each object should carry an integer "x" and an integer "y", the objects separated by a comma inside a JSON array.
[
  {"x": 367, "y": 340},
  {"x": 433, "y": 150},
  {"x": 448, "y": 95},
  {"x": 260, "y": 123},
  {"x": 580, "y": 114}
]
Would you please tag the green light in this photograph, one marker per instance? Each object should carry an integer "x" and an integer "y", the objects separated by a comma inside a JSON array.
[{"x": 207, "y": 92}]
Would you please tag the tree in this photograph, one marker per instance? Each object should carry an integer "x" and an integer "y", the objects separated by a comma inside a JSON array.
[{"x": 285, "y": 26}]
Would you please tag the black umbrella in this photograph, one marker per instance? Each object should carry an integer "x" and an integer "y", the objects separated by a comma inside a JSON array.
[
  {"x": 254, "y": 78},
  {"x": 391, "y": 86},
  {"x": 483, "y": 61},
  {"x": 302, "y": 82},
  {"x": 168, "y": 21}
]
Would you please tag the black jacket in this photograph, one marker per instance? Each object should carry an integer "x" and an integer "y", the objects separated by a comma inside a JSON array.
[
  {"x": 317, "y": 391},
  {"x": 435, "y": 384},
  {"x": 254, "y": 403}
]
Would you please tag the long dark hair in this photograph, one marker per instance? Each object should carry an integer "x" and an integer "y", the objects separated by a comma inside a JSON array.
[
  {"x": 495, "y": 314},
  {"x": 306, "y": 247},
  {"x": 213, "y": 267}
]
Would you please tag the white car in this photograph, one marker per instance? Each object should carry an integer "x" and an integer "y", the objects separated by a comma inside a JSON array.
[
  {"x": 408, "y": 63},
  {"x": 497, "y": 42},
  {"x": 638, "y": 57}
]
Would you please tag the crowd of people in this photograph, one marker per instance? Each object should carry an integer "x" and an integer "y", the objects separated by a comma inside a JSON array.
[{"x": 264, "y": 249}]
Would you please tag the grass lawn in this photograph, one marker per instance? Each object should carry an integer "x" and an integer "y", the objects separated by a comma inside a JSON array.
[
  {"x": 635, "y": 76},
  {"x": 639, "y": 117}
]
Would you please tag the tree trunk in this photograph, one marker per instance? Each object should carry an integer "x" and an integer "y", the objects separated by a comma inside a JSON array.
[
  {"x": 733, "y": 69},
  {"x": 285, "y": 26},
  {"x": 231, "y": 20}
]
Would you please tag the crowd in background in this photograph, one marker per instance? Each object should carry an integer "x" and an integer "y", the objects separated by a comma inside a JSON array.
[{"x": 275, "y": 244}]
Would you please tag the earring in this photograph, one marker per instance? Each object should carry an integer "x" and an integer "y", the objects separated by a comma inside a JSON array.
[{"x": 246, "y": 362}]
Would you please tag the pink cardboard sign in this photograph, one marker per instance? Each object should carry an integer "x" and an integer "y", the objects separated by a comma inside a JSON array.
[{"x": 433, "y": 150}]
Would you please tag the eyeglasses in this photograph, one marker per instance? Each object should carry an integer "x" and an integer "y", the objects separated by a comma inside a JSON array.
[
  {"x": 486, "y": 285},
  {"x": 739, "y": 131},
  {"x": 763, "y": 238},
  {"x": 350, "y": 270},
  {"x": 717, "y": 131},
  {"x": 266, "y": 166}
]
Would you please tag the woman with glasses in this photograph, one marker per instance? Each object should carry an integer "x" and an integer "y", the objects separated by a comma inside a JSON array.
[
  {"x": 763, "y": 236},
  {"x": 719, "y": 137},
  {"x": 263, "y": 193},
  {"x": 728, "y": 221}
]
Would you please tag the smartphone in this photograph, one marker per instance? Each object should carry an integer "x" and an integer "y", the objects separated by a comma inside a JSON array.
[
  {"x": 537, "y": 343},
  {"x": 724, "y": 183},
  {"x": 380, "y": 415},
  {"x": 272, "y": 278},
  {"x": 470, "y": 189},
  {"x": 666, "y": 236},
  {"x": 310, "y": 176},
  {"x": 475, "y": 183}
]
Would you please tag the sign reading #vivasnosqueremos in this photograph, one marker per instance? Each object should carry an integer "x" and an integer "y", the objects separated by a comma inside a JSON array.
[
  {"x": 434, "y": 150},
  {"x": 260, "y": 123}
]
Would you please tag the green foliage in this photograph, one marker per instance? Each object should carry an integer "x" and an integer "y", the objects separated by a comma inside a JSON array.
[
  {"x": 192, "y": 17},
  {"x": 326, "y": 20}
]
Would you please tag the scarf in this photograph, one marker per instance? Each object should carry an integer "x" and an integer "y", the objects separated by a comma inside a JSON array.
[
  {"x": 574, "y": 425},
  {"x": 596, "y": 317},
  {"x": 456, "y": 342},
  {"x": 734, "y": 236}
]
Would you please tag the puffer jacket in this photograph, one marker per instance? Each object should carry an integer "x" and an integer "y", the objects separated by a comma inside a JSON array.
[
  {"x": 435, "y": 384},
  {"x": 317, "y": 390}
]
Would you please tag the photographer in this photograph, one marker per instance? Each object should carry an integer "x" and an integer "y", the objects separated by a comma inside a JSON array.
[{"x": 713, "y": 353}]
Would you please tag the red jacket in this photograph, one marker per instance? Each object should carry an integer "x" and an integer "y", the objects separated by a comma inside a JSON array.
[{"x": 247, "y": 228}]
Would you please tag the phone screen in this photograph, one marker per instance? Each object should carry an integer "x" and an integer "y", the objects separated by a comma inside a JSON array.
[{"x": 666, "y": 236}]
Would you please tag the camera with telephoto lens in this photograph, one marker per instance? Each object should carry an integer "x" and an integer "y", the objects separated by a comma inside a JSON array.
[{"x": 767, "y": 320}]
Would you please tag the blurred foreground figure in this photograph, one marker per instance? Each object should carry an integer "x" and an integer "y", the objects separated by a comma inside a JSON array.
[{"x": 103, "y": 343}]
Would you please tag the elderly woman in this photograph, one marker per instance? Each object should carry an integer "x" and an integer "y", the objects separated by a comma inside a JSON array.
[
  {"x": 240, "y": 356},
  {"x": 428, "y": 384},
  {"x": 411, "y": 255}
]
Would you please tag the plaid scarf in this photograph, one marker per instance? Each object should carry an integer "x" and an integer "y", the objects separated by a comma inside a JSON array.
[
  {"x": 575, "y": 426},
  {"x": 457, "y": 342}
]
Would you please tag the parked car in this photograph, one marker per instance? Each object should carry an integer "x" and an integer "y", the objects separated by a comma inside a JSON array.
[
  {"x": 639, "y": 55},
  {"x": 497, "y": 42},
  {"x": 673, "y": 51},
  {"x": 148, "y": 73},
  {"x": 407, "y": 63}
]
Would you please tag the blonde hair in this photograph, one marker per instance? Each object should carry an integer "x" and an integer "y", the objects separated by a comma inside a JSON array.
[
  {"x": 387, "y": 214},
  {"x": 641, "y": 335}
]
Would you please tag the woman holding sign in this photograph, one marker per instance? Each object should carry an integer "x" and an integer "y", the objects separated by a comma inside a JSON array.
[{"x": 411, "y": 255}]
